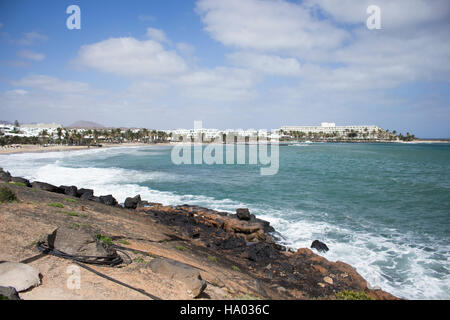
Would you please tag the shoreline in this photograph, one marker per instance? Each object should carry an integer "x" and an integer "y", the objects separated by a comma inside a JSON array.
[
  {"x": 27, "y": 148},
  {"x": 218, "y": 241}
]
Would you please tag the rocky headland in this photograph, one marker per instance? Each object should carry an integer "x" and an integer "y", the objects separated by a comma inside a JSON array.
[{"x": 160, "y": 251}]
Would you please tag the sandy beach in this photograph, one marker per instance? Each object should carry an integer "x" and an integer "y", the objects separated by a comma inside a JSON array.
[{"x": 27, "y": 148}]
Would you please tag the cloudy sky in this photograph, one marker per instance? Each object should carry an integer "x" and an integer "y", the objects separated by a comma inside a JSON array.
[{"x": 233, "y": 64}]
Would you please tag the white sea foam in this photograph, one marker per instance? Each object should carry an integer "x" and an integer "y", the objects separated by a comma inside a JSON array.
[{"x": 370, "y": 253}]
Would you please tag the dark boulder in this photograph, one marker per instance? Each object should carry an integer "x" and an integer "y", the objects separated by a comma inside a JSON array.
[
  {"x": 319, "y": 246},
  {"x": 95, "y": 199},
  {"x": 5, "y": 175},
  {"x": 8, "y": 293},
  {"x": 109, "y": 200},
  {"x": 70, "y": 190},
  {"x": 132, "y": 203},
  {"x": 21, "y": 180},
  {"x": 243, "y": 214},
  {"x": 46, "y": 187},
  {"x": 85, "y": 194},
  {"x": 262, "y": 252}
]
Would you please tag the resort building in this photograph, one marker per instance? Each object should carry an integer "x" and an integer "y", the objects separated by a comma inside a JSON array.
[{"x": 330, "y": 128}]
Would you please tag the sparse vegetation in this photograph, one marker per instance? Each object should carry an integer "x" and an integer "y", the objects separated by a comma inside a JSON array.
[
  {"x": 352, "y": 295},
  {"x": 19, "y": 184},
  {"x": 56, "y": 204},
  {"x": 212, "y": 259},
  {"x": 125, "y": 242},
  {"x": 70, "y": 200},
  {"x": 235, "y": 268},
  {"x": 75, "y": 226},
  {"x": 70, "y": 213},
  {"x": 7, "y": 195},
  {"x": 181, "y": 248},
  {"x": 105, "y": 239}
]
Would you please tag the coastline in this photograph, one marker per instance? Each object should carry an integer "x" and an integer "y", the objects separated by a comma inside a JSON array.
[
  {"x": 26, "y": 148},
  {"x": 236, "y": 254}
]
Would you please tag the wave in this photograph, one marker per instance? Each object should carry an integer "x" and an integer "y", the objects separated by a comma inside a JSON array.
[{"x": 396, "y": 263}]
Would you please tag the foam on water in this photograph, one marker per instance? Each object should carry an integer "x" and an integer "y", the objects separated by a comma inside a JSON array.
[{"x": 370, "y": 253}]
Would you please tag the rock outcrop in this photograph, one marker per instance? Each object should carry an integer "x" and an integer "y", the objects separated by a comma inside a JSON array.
[
  {"x": 46, "y": 187},
  {"x": 189, "y": 276},
  {"x": 20, "y": 276},
  {"x": 77, "y": 242},
  {"x": 132, "y": 203},
  {"x": 26, "y": 182},
  {"x": 9, "y": 293},
  {"x": 5, "y": 175}
]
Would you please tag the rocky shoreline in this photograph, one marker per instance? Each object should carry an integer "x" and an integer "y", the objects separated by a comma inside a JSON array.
[{"x": 245, "y": 244}]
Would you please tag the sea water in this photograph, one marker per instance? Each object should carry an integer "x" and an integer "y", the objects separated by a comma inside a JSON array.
[{"x": 382, "y": 208}]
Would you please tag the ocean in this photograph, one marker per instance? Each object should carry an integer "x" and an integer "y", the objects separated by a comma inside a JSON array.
[{"x": 382, "y": 208}]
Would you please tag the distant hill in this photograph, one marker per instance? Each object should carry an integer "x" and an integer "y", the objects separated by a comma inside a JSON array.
[{"x": 85, "y": 125}]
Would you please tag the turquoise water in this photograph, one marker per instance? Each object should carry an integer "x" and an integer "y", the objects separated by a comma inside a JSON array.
[{"x": 383, "y": 208}]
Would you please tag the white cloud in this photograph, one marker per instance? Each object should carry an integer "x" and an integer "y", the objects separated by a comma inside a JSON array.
[
  {"x": 267, "y": 64},
  {"x": 219, "y": 84},
  {"x": 157, "y": 35},
  {"x": 52, "y": 84},
  {"x": 131, "y": 57},
  {"x": 31, "y": 55},
  {"x": 31, "y": 38},
  {"x": 267, "y": 26},
  {"x": 394, "y": 14}
]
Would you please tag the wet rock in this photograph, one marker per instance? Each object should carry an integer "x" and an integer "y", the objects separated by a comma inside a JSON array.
[
  {"x": 181, "y": 272},
  {"x": 85, "y": 194},
  {"x": 20, "y": 276},
  {"x": 78, "y": 242},
  {"x": 8, "y": 293},
  {"x": 46, "y": 187},
  {"x": 5, "y": 175},
  {"x": 108, "y": 200},
  {"x": 70, "y": 190},
  {"x": 243, "y": 214},
  {"x": 21, "y": 180},
  {"x": 319, "y": 246},
  {"x": 132, "y": 203}
]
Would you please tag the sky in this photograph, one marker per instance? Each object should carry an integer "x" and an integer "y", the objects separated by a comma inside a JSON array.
[{"x": 257, "y": 64}]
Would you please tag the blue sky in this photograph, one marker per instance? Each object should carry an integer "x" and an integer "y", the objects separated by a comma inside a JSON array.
[{"x": 233, "y": 64}]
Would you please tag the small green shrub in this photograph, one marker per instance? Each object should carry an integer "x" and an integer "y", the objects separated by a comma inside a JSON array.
[
  {"x": 20, "y": 184},
  {"x": 70, "y": 213},
  {"x": 6, "y": 195},
  {"x": 212, "y": 259},
  {"x": 236, "y": 268},
  {"x": 70, "y": 200},
  {"x": 56, "y": 204},
  {"x": 125, "y": 242},
  {"x": 181, "y": 248},
  {"x": 104, "y": 239},
  {"x": 352, "y": 295}
]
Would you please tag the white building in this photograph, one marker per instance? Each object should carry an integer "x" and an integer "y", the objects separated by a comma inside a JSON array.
[{"x": 330, "y": 127}]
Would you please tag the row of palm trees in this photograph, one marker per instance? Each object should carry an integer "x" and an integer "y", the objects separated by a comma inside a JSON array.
[
  {"x": 94, "y": 136},
  {"x": 348, "y": 134}
]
